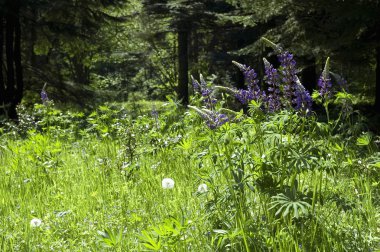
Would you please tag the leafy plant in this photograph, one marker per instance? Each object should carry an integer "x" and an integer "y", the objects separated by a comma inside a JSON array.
[{"x": 110, "y": 239}]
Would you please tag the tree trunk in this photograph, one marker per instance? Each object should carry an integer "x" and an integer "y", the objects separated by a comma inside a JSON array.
[
  {"x": 183, "y": 62},
  {"x": 377, "y": 94},
  {"x": 2, "y": 83},
  {"x": 32, "y": 38},
  {"x": 14, "y": 83},
  {"x": 9, "y": 40},
  {"x": 18, "y": 66}
]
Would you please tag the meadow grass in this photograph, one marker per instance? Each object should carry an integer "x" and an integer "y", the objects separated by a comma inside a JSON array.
[{"x": 274, "y": 183}]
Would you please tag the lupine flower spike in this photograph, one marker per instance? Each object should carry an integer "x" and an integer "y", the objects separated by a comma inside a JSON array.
[
  {"x": 44, "y": 96},
  {"x": 288, "y": 72},
  {"x": 324, "y": 82},
  {"x": 253, "y": 91},
  {"x": 207, "y": 96},
  {"x": 302, "y": 100},
  {"x": 213, "y": 118},
  {"x": 272, "y": 79}
]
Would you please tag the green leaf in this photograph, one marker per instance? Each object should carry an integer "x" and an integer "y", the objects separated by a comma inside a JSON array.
[{"x": 364, "y": 139}]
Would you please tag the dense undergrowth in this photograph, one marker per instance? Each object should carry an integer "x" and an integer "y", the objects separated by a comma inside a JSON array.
[
  {"x": 272, "y": 178},
  {"x": 274, "y": 182}
]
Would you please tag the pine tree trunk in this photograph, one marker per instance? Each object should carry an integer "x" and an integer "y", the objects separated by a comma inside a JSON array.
[
  {"x": 2, "y": 83},
  {"x": 17, "y": 61},
  {"x": 9, "y": 39},
  {"x": 183, "y": 62},
  {"x": 14, "y": 83},
  {"x": 377, "y": 94}
]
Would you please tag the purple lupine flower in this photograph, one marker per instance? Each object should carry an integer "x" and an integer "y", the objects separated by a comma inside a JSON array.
[
  {"x": 324, "y": 85},
  {"x": 253, "y": 91},
  {"x": 302, "y": 99},
  {"x": 244, "y": 96},
  {"x": 196, "y": 85},
  {"x": 207, "y": 93},
  {"x": 324, "y": 81},
  {"x": 288, "y": 73},
  {"x": 44, "y": 96},
  {"x": 272, "y": 79},
  {"x": 216, "y": 119}
]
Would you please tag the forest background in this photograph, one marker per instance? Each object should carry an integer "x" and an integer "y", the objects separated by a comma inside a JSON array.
[{"x": 89, "y": 52}]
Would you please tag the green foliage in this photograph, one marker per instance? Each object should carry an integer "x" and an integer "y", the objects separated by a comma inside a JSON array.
[
  {"x": 168, "y": 235},
  {"x": 110, "y": 239},
  {"x": 274, "y": 181}
]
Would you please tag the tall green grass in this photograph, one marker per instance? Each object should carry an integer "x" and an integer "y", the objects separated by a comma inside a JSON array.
[{"x": 274, "y": 183}]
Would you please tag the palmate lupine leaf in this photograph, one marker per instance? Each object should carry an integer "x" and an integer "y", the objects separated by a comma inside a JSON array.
[{"x": 286, "y": 205}]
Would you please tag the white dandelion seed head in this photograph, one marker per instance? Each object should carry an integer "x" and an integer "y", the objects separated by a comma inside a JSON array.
[
  {"x": 167, "y": 183},
  {"x": 202, "y": 188},
  {"x": 35, "y": 222}
]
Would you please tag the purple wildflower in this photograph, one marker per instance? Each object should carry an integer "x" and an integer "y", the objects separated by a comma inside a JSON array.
[
  {"x": 302, "y": 99},
  {"x": 272, "y": 80},
  {"x": 44, "y": 96},
  {"x": 196, "y": 85},
  {"x": 288, "y": 73},
  {"x": 244, "y": 96},
  {"x": 216, "y": 119},
  {"x": 324, "y": 82},
  {"x": 207, "y": 93},
  {"x": 253, "y": 91},
  {"x": 324, "y": 85}
]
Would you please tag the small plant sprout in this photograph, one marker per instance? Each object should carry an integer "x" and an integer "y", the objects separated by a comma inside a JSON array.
[
  {"x": 168, "y": 183},
  {"x": 35, "y": 222},
  {"x": 202, "y": 188}
]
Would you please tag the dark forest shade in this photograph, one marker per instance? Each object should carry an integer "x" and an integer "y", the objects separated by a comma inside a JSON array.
[
  {"x": 309, "y": 75},
  {"x": 183, "y": 79},
  {"x": 2, "y": 87},
  {"x": 11, "y": 79},
  {"x": 377, "y": 97}
]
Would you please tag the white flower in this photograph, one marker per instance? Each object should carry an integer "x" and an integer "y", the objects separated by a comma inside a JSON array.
[
  {"x": 359, "y": 162},
  {"x": 202, "y": 188},
  {"x": 167, "y": 183},
  {"x": 35, "y": 222}
]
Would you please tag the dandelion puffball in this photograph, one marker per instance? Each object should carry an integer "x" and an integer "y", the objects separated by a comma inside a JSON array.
[
  {"x": 202, "y": 188},
  {"x": 167, "y": 183},
  {"x": 35, "y": 222}
]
